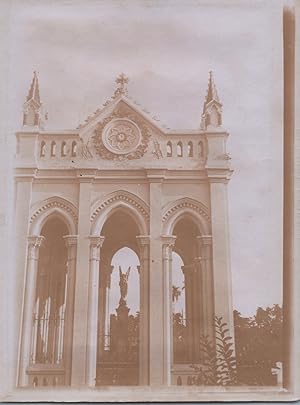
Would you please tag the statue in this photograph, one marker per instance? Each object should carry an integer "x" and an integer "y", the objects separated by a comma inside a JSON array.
[{"x": 123, "y": 283}]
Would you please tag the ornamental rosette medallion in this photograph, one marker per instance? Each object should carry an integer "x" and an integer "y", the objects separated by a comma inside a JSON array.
[{"x": 119, "y": 138}]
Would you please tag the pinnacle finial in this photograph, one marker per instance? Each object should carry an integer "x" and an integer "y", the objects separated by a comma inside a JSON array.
[
  {"x": 212, "y": 93},
  {"x": 212, "y": 107},
  {"x": 122, "y": 81},
  {"x": 32, "y": 109},
  {"x": 34, "y": 92}
]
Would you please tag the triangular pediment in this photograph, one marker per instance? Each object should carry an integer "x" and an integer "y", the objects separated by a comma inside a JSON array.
[{"x": 122, "y": 107}]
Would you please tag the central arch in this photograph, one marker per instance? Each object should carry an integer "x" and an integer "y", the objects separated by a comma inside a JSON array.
[
  {"x": 120, "y": 221},
  {"x": 116, "y": 201}
]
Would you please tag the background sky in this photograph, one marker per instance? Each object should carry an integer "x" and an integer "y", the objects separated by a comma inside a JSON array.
[{"x": 167, "y": 48}]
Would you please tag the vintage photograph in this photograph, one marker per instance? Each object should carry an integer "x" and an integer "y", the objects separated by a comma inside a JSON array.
[{"x": 147, "y": 172}]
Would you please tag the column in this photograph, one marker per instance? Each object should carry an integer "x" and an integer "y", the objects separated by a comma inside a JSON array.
[
  {"x": 23, "y": 188},
  {"x": 71, "y": 244},
  {"x": 156, "y": 291},
  {"x": 221, "y": 254},
  {"x": 204, "y": 264},
  {"x": 79, "y": 349},
  {"x": 104, "y": 281},
  {"x": 92, "y": 329},
  {"x": 34, "y": 243},
  {"x": 188, "y": 283},
  {"x": 167, "y": 245},
  {"x": 197, "y": 298},
  {"x": 144, "y": 242}
]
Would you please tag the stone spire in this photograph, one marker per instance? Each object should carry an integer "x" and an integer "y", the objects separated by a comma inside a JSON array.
[
  {"x": 34, "y": 92},
  {"x": 122, "y": 81},
  {"x": 212, "y": 107},
  {"x": 32, "y": 105}
]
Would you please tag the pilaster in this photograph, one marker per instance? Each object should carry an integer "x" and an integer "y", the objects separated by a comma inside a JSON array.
[
  {"x": 168, "y": 242},
  {"x": 34, "y": 243},
  {"x": 144, "y": 243},
  {"x": 71, "y": 245},
  {"x": 92, "y": 323},
  {"x": 220, "y": 248},
  {"x": 79, "y": 352}
]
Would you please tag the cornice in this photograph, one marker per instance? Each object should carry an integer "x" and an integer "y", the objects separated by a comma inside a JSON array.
[
  {"x": 111, "y": 175},
  {"x": 218, "y": 175},
  {"x": 25, "y": 173}
]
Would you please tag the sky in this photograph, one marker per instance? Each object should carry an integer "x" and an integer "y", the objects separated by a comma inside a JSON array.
[{"x": 167, "y": 49}]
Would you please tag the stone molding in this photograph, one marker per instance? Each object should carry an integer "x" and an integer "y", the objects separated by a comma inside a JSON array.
[
  {"x": 186, "y": 203},
  {"x": 53, "y": 202},
  {"x": 122, "y": 196}
]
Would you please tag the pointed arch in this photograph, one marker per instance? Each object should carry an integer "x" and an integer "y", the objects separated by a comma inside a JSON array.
[
  {"x": 179, "y": 149},
  {"x": 56, "y": 206},
  {"x": 189, "y": 207},
  {"x": 43, "y": 149},
  {"x": 190, "y": 149},
  {"x": 201, "y": 149},
  {"x": 169, "y": 149},
  {"x": 120, "y": 200},
  {"x": 74, "y": 149},
  {"x": 53, "y": 148},
  {"x": 63, "y": 149}
]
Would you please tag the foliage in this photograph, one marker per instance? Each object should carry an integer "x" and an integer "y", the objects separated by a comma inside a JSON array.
[
  {"x": 219, "y": 363},
  {"x": 258, "y": 345}
]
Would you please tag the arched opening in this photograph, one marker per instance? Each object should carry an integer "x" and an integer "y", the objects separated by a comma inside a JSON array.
[
  {"x": 74, "y": 149},
  {"x": 190, "y": 149},
  {"x": 201, "y": 149},
  {"x": 43, "y": 149},
  {"x": 63, "y": 149},
  {"x": 169, "y": 149},
  {"x": 53, "y": 148},
  {"x": 119, "y": 302},
  {"x": 186, "y": 278},
  {"x": 48, "y": 335},
  {"x": 179, "y": 149}
]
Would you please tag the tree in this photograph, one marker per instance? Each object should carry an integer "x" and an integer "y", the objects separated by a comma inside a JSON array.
[{"x": 258, "y": 345}]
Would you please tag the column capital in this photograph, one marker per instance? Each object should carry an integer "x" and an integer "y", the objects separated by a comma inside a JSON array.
[
  {"x": 143, "y": 240},
  {"x": 34, "y": 244},
  {"x": 70, "y": 240},
  {"x": 168, "y": 240},
  {"x": 96, "y": 241},
  {"x": 187, "y": 269},
  {"x": 204, "y": 240},
  {"x": 35, "y": 241}
]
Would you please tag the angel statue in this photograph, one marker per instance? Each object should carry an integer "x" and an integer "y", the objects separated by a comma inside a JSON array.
[{"x": 123, "y": 283}]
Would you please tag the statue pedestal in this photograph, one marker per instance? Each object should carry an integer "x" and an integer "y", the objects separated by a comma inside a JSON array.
[{"x": 121, "y": 331}]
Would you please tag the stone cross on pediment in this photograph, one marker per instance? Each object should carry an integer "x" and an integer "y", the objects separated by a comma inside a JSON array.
[{"x": 122, "y": 81}]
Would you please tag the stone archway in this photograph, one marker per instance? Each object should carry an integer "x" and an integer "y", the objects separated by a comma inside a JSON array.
[{"x": 118, "y": 341}]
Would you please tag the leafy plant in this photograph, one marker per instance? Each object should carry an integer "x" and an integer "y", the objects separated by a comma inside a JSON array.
[{"x": 219, "y": 363}]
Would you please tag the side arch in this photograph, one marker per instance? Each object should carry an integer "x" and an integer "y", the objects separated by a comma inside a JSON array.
[
  {"x": 120, "y": 200},
  {"x": 53, "y": 206},
  {"x": 188, "y": 207}
]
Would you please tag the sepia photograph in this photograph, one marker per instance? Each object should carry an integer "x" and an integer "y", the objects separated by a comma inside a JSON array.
[{"x": 147, "y": 202}]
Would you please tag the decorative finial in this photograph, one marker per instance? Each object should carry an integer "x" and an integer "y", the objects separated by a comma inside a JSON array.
[
  {"x": 32, "y": 110},
  {"x": 34, "y": 92},
  {"x": 212, "y": 93},
  {"x": 122, "y": 81},
  {"x": 212, "y": 107}
]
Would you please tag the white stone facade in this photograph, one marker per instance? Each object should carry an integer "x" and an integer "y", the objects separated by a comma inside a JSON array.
[{"x": 121, "y": 162}]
